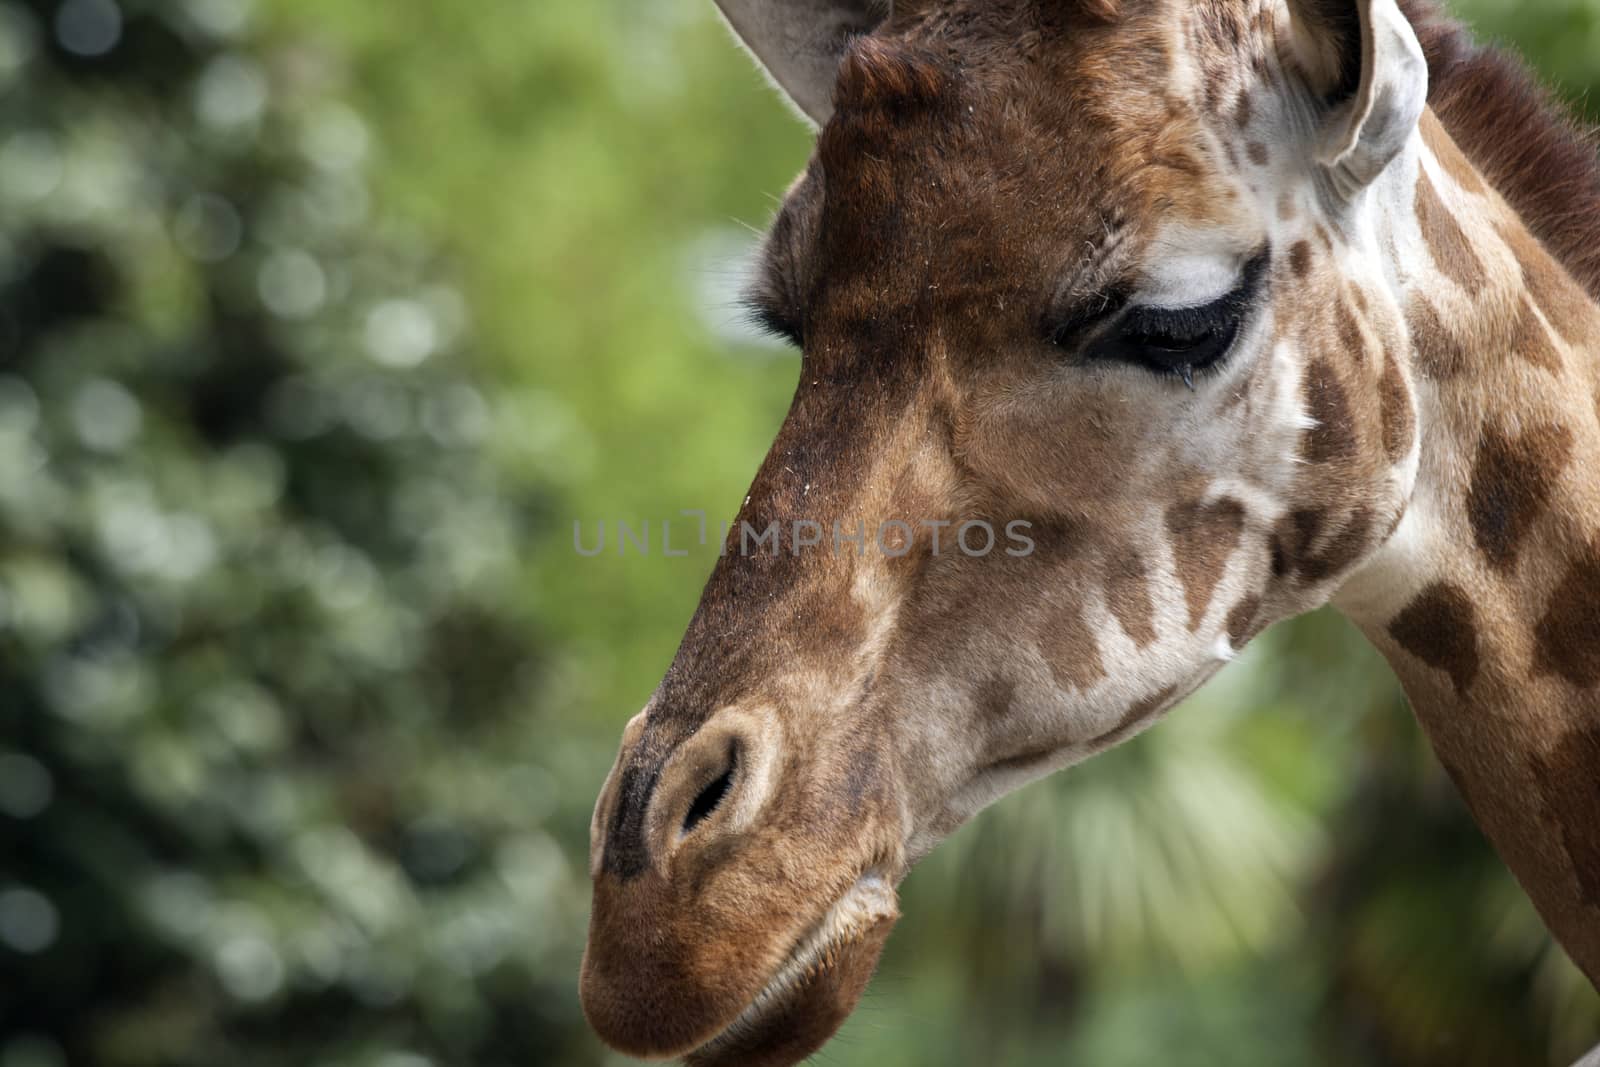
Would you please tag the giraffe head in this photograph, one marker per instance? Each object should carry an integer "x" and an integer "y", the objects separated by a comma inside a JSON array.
[{"x": 1100, "y": 377}]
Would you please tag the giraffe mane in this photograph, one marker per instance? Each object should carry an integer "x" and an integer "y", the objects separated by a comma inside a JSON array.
[{"x": 1531, "y": 149}]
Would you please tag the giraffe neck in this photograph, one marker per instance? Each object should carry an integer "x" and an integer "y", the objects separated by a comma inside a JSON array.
[{"x": 1486, "y": 601}]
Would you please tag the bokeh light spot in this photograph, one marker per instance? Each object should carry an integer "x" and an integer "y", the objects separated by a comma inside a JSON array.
[
  {"x": 179, "y": 902},
  {"x": 29, "y": 923},
  {"x": 377, "y": 409},
  {"x": 31, "y": 167},
  {"x": 89, "y": 27},
  {"x": 220, "y": 18},
  {"x": 292, "y": 284},
  {"x": 455, "y": 416},
  {"x": 335, "y": 138},
  {"x": 19, "y": 405},
  {"x": 249, "y": 968},
  {"x": 401, "y": 333},
  {"x": 107, "y": 417},
  {"x": 231, "y": 92},
  {"x": 208, "y": 228},
  {"x": 26, "y": 785}
]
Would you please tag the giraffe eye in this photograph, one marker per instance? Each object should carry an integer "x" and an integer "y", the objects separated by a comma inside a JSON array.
[
  {"x": 1183, "y": 341},
  {"x": 1174, "y": 343}
]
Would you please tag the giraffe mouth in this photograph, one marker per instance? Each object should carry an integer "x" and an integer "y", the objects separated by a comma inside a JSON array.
[{"x": 816, "y": 986}]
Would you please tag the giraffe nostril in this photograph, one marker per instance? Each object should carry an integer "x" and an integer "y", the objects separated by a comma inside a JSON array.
[{"x": 711, "y": 796}]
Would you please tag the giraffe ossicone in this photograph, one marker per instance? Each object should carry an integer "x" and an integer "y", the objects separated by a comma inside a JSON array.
[{"x": 1241, "y": 316}]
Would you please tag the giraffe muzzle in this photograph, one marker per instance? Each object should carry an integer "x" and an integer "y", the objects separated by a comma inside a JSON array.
[
  {"x": 743, "y": 890},
  {"x": 667, "y": 975}
]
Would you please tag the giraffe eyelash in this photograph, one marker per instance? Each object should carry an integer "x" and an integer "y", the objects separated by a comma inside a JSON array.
[
  {"x": 1187, "y": 323},
  {"x": 774, "y": 323}
]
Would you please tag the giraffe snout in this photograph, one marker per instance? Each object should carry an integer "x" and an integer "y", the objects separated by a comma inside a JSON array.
[{"x": 680, "y": 941}]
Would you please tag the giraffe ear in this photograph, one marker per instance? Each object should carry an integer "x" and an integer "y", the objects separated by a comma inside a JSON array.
[
  {"x": 1363, "y": 60},
  {"x": 800, "y": 42}
]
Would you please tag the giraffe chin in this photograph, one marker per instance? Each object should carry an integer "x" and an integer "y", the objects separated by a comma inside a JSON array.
[{"x": 815, "y": 989}]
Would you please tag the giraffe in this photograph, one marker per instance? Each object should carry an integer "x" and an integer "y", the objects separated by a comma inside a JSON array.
[{"x": 1212, "y": 300}]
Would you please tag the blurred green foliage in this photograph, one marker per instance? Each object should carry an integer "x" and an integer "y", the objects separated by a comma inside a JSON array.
[
  {"x": 320, "y": 322},
  {"x": 272, "y": 791}
]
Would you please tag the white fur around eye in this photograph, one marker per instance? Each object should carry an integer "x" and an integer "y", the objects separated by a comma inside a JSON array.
[
  {"x": 1184, "y": 267},
  {"x": 1188, "y": 281}
]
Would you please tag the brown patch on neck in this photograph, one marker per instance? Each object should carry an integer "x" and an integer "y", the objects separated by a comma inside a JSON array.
[
  {"x": 1351, "y": 339},
  {"x": 1292, "y": 538},
  {"x": 1128, "y": 597},
  {"x": 1342, "y": 549},
  {"x": 1511, "y": 482},
  {"x": 1204, "y": 537},
  {"x": 1242, "y": 621},
  {"x": 1439, "y": 628},
  {"x": 1568, "y": 636},
  {"x": 1570, "y": 789},
  {"x": 1072, "y": 651},
  {"x": 1452, "y": 252},
  {"x": 1566, "y": 305},
  {"x": 1397, "y": 419},
  {"x": 1439, "y": 353},
  {"x": 1300, "y": 258},
  {"x": 1333, "y": 437},
  {"x": 1243, "y": 112},
  {"x": 994, "y": 696},
  {"x": 1532, "y": 342}
]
